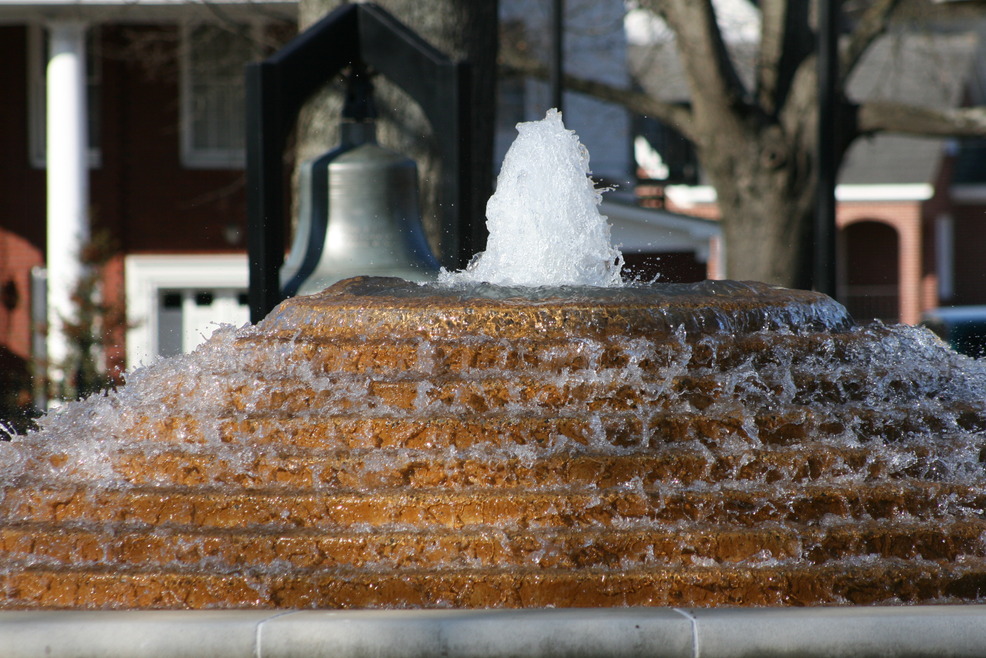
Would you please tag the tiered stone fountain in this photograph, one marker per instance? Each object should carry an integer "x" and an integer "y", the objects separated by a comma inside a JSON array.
[{"x": 385, "y": 444}]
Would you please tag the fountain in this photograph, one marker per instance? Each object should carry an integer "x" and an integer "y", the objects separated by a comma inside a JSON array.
[{"x": 384, "y": 444}]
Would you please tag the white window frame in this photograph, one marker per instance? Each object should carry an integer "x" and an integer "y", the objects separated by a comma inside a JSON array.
[
  {"x": 148, "y": 275},
  {"x": 191, "y": 156},
  {"x": 37, "y": 64}
]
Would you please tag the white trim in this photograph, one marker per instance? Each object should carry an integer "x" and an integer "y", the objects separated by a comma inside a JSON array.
[
  {"x": 888, "y": 192},
  {"x": 147, "y": 275},
  {"x": 696, "y": 227},
  {"x": 647, "y": 230},
  {"x": 686, "y": 196}
]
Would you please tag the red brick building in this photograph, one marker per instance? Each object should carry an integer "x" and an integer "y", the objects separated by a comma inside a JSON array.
[{"x": 159, "y": 87}]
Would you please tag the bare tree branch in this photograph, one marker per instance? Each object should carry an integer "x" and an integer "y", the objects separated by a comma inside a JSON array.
[
  {"x": 772, "y": 17},
  {"x": 673, "y": 114},
  {"x": 714, "y": 81},
  {"x": 871, "y": 25},
  {"x": 901, "y": 118},
  {"x": 782, "y": 49}
]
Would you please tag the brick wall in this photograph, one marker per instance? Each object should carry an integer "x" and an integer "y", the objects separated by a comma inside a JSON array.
[{"x": 141, "y": 193}]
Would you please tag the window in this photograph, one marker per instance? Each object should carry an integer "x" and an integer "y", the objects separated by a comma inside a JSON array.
[
  {"x": 175, "y": 302},
  {"x": 38, "y": 93},
  {"x": 213, "y": 94},
  {"x": 186, "y": 318}
]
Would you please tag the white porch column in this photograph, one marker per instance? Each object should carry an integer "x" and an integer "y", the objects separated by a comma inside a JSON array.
[{"x": 67, "y": 157}]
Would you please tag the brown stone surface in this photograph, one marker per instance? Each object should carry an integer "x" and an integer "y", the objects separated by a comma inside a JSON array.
[
  {"x": 703, "y": 586},
  {"x": 390, "y": 446},
  {"x": 370, "y": 309}
]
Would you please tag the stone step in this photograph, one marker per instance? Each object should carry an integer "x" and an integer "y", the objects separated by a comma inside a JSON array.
[
  {"x": 765, "y": 406},
  {"x": 253, "y": 395},
  {"x": 360, "y": 431},
  {"x": 462, "y": 432},
  {"x": 505, "y": 509},
  {"x": 498, "y": 467},
  {"x": 835, "y": 584},
  {"x": 620, "y": 430},
  {"x": 705, "y": 361},
  {"x": 471, "y": 355},
  {"x": 432, "y": 358},
  {"x": 897, "y": 539},
  {"x": 230, "y": 551},
  {"x": 378, "y": 469},
  {"x": 506, "y": 392},
  {"x": 219, "y": 552}
]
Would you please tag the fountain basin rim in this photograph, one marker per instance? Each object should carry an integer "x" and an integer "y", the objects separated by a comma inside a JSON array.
[
  {"x": 958, "y": 630},
  {"x": 381, "y": 307}
]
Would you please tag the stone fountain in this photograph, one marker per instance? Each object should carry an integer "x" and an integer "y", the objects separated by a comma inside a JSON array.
[{"x": 384, "y": 444}]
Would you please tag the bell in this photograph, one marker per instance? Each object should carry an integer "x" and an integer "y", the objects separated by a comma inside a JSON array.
[{"x": 359, "y": 210}]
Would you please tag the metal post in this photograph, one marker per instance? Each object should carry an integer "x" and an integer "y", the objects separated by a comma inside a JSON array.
[
  {"x": 557, "y": 53},
  {"x": 265, "y": 188},
  {"x": 39, "y": 332},
  {"x": 823, "y": 270}
]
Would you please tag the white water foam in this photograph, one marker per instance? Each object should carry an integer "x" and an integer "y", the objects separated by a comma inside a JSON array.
[{"x": 544, "y": 224}]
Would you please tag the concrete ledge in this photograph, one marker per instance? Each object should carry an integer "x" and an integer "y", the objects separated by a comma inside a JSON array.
[
  {"x": 854, "y": 631},
  {"x": 689, "y": 633}
]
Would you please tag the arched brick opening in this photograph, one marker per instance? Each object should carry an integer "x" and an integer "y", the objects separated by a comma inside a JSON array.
[{"x": 872, "y": 271}]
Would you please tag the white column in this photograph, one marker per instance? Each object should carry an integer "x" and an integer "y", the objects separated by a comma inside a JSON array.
[{"x": 67, "y": 157}]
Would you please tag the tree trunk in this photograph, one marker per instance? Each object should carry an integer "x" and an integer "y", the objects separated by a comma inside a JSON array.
[
  {"x": 765, "y": 185},
  {"x": 763, "y": 166},
  {"x": 768, "y": 236},
  {"x": 461, "y": 29}
]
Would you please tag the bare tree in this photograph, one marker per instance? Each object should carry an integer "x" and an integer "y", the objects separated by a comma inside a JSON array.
[
  {"x": 756, "y": 139},
  {"x": 462, "y": 30}
]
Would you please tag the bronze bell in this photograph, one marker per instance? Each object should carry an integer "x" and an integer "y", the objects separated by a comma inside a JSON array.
[{"x": 359, "y": 209}]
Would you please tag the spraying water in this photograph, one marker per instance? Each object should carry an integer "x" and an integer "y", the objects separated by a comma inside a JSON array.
[{"x": 544, "y": 221}]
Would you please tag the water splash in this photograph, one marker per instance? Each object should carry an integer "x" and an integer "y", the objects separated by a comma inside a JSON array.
[{"x": 544, "y": 221}]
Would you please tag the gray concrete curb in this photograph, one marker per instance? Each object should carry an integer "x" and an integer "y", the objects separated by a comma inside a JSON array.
[{"x": 690, "y": 633}]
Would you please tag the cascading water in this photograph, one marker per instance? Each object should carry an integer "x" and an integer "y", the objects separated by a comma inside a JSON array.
[{"x": 386, "y": 444}]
